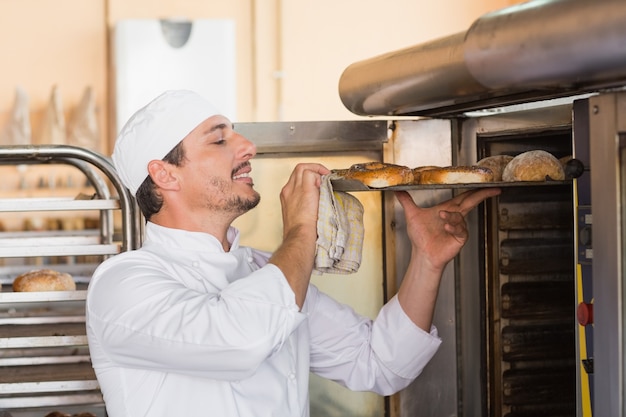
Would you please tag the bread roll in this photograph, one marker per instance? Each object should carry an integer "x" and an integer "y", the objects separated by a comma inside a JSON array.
[
  {"x": 534, "y": 165},
  {"x": 380, "y": 174},
  {"x": 496, "y": 164},
  {"x": 565, "y": 159},
  {"x": 417, "y": 172},
  {"x": 44, "y": 280},
  {"x": 456, "y": 175}
]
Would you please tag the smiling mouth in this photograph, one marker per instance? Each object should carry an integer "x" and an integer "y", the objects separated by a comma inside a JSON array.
[
  {"x": 242, "y": 175},
  {"x": 242, "y": 171}
]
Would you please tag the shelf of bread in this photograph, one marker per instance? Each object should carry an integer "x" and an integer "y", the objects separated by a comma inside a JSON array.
[
  {"x": 531, "y": 168},
  {"x": 58, "y": 223},
  {"x": 41, "y": 297},
  {"x": 354, "y": 185}
]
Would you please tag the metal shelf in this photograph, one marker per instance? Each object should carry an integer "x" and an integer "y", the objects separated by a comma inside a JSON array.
[
  {"x": 44, "y": 354},
  {"x": 56, "y": 204}
]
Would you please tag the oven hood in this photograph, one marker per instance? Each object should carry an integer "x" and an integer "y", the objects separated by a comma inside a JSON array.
[{"x": 541, "y": 49}]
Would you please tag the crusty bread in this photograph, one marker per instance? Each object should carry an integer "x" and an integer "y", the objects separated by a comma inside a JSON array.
[
  {"x": 565, "y": 159},
  {"x": 417, "y": 172},
  {"x": 455, "y": 175},
  {"x": 536, "y": 165},
  {"x": 44, "y": 280},
  {"x": 380, "y": 174},
  {"x": 496, "y": 163}
]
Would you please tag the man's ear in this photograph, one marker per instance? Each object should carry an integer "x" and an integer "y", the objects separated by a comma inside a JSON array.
[{"x": 163, "y": 174}]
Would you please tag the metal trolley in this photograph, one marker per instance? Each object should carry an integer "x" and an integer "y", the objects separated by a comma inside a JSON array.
[{"x": 44, "y": 358}]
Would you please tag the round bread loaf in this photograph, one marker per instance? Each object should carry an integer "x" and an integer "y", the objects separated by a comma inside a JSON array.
[
  {"x": 44, "y": 280},
  {"x": 456, "y": 175},
  {"x": 537, "y": 165},
  {"x": 417, "y": 172},
  {"x": 496, "y": 163},
  {"x": 380, "y": 174},
  {"x": 565, "y": 159}
]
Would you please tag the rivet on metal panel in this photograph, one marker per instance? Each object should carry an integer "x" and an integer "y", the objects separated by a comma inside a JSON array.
[{"x": 596, "y": 109}]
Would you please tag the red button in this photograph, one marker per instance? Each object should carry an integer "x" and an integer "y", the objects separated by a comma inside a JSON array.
[{"x": 584, "y": 313}]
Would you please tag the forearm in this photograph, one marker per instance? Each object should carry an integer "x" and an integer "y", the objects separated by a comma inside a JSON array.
[
  {"x": 295, "y": 258},
  {"x": 418, "y": 291}
]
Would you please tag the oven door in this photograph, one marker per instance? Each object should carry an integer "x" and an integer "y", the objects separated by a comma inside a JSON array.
[{"x": 506, "y": 310}]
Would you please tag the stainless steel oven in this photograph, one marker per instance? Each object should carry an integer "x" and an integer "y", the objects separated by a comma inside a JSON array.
[{"x": 532, "y": 311}]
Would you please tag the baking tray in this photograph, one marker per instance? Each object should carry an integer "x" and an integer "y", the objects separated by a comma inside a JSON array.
[{"x": 355, "y": 185}]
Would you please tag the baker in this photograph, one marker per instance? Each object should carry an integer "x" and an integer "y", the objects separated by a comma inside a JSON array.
[{"x": 193, "y": 323}]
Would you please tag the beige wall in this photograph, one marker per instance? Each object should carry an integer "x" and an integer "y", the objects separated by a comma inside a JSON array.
[
  {"x": 44, "y": 43},
  {"x": 290, "y": 54}
]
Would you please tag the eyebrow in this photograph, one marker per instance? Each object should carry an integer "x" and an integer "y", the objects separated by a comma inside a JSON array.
[{"x": 220, "y": 126}]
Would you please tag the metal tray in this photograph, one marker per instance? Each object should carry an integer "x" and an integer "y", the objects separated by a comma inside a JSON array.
[{"x": 355, "y": 185}]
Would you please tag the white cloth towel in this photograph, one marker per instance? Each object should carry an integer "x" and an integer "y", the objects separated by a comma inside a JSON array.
[{"x": 339, "y": 231}]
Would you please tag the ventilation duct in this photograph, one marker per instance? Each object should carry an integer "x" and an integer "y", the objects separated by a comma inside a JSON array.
[{"x": 536, "y": 50}]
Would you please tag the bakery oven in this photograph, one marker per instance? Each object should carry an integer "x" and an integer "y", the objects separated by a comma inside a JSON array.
[
  {"x": 531, "y": 315},
  {"x": 507, "y": 309}
]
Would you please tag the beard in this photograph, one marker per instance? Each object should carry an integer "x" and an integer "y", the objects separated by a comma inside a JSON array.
[
  {"x": 234, "y": 204},
  {"x": 243, "y": 205}
]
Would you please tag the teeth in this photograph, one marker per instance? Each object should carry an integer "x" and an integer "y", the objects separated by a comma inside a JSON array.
[{"x": 241, "y": 176}]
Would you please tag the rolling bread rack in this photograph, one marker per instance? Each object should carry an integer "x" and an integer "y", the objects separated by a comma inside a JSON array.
[{"x": 44, "y": 357}]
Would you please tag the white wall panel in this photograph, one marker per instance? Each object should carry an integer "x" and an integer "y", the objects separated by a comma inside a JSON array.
[{"x": 146, "y": 63}]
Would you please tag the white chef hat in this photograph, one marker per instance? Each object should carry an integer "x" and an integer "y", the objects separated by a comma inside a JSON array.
[{"x": 154, "y": 130}]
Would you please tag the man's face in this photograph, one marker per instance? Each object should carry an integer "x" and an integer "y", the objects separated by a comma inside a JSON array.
[{"x": 215, "y": 172}]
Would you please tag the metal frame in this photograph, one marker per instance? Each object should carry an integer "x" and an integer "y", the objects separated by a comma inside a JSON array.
[
  {"x": 33, "y": 337},
  {"x": 607, "y": 129},
  {"x": 473, "y": 391}
]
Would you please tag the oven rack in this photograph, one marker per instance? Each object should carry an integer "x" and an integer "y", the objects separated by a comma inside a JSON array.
[
  {"x": 44, "y": 355},
  {"x": 348, "y": 185},
  {"x": 43, "y": 351}
]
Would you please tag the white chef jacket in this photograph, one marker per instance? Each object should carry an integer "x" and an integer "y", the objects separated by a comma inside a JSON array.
[{"x": 182, "y": 328}]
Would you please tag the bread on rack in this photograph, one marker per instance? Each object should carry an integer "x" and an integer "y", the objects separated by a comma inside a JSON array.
[
  {"x": 496, "y": 163},
  {"x": 453, "y": 175},
  {"x": 379, "y": 174},
  {"x": 536, "y": 165},
  {"x": 43, "y": 280},
  {"x": 417, "y": 172}
]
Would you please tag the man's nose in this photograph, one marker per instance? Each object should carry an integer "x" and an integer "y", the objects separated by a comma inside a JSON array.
[{"x": 247, "y": 148}]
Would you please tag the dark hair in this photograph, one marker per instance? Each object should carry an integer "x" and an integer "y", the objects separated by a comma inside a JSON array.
[{"x": 148, "y": 198}]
